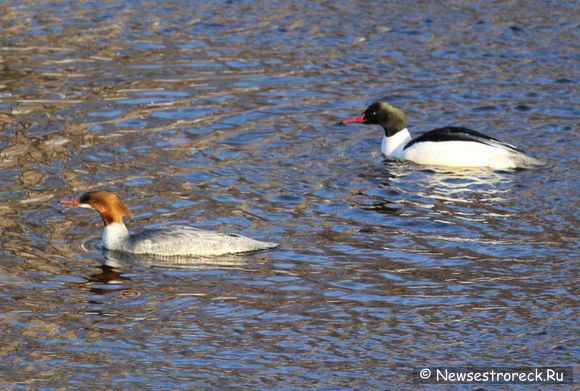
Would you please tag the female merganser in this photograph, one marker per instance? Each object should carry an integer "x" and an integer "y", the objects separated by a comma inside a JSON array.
[
  {"x": 176, "y": 240},
  {"x": 448, "y": 146}
]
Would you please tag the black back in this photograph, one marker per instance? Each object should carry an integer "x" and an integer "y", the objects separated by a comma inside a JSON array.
[{"x": 453, "y": 133}]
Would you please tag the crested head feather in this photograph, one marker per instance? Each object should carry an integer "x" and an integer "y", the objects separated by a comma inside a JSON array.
[{"x": 109, "y": 205}]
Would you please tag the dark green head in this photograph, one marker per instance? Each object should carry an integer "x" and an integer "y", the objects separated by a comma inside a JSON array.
[{"x": 389, "y": 117}]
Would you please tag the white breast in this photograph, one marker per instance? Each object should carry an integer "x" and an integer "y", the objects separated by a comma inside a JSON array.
[
  {"x": 392, "y": 147},
  {"x": 115, "y": 236}
]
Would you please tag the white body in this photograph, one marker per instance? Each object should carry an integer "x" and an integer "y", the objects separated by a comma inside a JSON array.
[
  {"x": 178, "y": 240},
  {"x": 494, "y": 155}
]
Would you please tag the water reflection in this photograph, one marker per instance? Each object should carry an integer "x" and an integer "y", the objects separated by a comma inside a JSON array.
[
  {"x": 463, "y": 185},
  {"x": 425, "y": 187},
  {"x": 119, "y": 260},
  {"x": 108, "y": 280}
]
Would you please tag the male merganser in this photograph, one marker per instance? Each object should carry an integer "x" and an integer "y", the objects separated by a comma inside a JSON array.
[
  {"x": 448, "y": 146},
  {"x": 176, "y": 240}
]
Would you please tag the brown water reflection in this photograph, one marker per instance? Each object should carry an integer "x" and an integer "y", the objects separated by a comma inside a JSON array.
[{"x": 222, "y": 115}]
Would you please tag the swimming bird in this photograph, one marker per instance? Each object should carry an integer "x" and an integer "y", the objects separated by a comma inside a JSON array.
[
  {"x": 447, "y": 146},
  {"x": 175, "y": 240}
]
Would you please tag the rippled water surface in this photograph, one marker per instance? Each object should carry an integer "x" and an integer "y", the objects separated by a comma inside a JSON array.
[{"x": 223, "y": 114}]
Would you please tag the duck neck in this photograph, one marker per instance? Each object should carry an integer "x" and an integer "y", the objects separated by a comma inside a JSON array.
[
  {"x": 115, "y": 236},
  {"x": 393, "y": 145}
]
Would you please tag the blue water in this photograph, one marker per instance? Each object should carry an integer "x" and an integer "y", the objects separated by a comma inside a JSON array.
[{"x": 223, "y": 115}]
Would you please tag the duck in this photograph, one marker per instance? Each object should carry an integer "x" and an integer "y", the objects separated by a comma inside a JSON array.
[
  {"x": 447, "y": 146},
  {"x": 167, "y": 241}
]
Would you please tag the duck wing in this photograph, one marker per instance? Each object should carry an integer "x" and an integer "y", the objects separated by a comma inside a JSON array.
[{"x": 186, "y": 240}]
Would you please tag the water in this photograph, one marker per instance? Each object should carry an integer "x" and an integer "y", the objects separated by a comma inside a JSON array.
[{"x": 223, "y": 115}]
